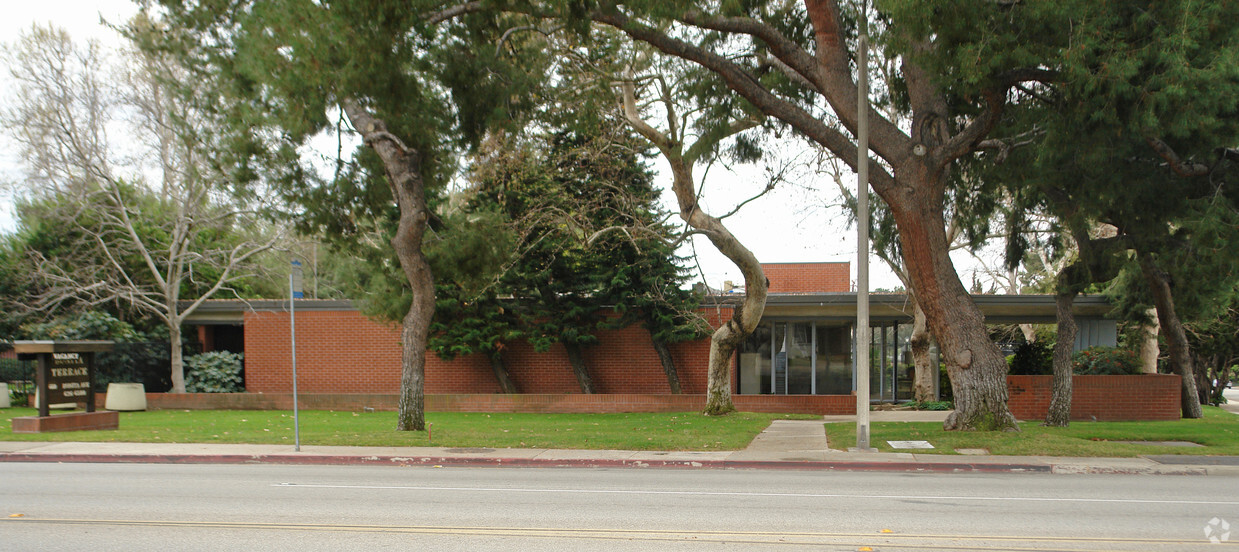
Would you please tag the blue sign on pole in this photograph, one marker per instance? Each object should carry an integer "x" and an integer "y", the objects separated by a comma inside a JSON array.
[{"x": 297, "y": 291}]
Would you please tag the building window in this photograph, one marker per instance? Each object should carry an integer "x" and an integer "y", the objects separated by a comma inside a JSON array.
[{"x": 797, "y": 358}]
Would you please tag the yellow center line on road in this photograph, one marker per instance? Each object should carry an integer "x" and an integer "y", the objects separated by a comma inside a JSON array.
[
  {"x": 744, "y": 494},
  {"x": 887, "y": 541}
]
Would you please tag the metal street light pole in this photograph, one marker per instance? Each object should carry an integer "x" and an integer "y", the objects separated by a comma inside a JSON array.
[
  {"x": 292, "y": 328},
  {"x": 862, "y": 245}
]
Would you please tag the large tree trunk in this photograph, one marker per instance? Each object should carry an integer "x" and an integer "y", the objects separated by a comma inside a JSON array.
[
  {"x": 178, "y": 358},
  {"x": 506, "y": 385},
  {"x": 403, "y": 166},
  {"x": 723, "y": 344},
  {"x": 926, "y": 373},
  {"x": 1204, "y": 387},
  {"x": 664, "y": 356},
  {"x": 1059, "y": 413},
  {"x": 1176, "y": 336},
  {"x": 974, "y": 363},
  {"x": 576, "y": 357},
  {"x": 1149, "y": 346},
  {"x": 1213, "y": 378},
  {"x": 724, "y": 340}
]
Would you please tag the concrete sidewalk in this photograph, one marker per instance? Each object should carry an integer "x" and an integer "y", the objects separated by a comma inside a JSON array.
[{"x": 786, "y": 444}]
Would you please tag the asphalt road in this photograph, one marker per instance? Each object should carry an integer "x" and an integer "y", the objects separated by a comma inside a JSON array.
[{"x": 270, "y": 507}]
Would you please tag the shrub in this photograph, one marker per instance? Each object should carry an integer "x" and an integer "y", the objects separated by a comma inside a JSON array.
[
  {"x": 214, "y": 372},
  {"x": 934, "y": 405},
  {"x": 1033, "y": 359},
  {"x": 1105, "y": 361}
]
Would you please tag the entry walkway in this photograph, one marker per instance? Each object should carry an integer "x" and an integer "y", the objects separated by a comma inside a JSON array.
[{"x": 805, "y": 440}]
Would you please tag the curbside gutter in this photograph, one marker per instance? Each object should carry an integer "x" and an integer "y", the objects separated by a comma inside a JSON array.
[{"x": 489, "y": 461}]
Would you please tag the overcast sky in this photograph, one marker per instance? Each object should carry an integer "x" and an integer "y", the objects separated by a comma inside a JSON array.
[
  {"x": 82, "y": 19},
  {"x": 790, "y": 224}
]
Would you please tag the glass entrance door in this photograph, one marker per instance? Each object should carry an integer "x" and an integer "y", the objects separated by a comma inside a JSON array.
[
  {"x": 793, "y": 359},
  {"x": 890, "y": 363}
]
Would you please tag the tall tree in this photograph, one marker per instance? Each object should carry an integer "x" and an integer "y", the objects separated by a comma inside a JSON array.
[
  {"x": 584, "y": 198},
  {"x": 886, "y": 246},
  {"x": 405, "y": 77},
  {"x": 794, "y": 63},
  {"x": 667, "y": 103},
  {"x": 471, "y": 253},
  {"x": 1129, "y": 135},
  {"x": 649, "y": 287},
  {"x": 133, "y": 244}
]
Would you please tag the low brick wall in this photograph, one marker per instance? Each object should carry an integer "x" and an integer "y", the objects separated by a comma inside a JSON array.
[
  {"x": 1099, "y": 398},
  {"x": 72, "y": 421},
  {"x": 560, "y": 403}
]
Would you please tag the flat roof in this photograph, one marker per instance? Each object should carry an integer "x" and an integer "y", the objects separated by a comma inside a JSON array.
[{"x": 998, "y": 309}]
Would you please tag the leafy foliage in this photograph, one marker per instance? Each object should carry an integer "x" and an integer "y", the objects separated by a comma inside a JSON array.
[
  {"x": 1033, "y": 359},
  {"x": 1105, "y": 361},
  {"x": 934, "y": 405},
  {"x": 214, "y": 372},
  {"x": 593, "y": 238},
  {"x": 141, "y": 357},
  {"x": 87, "y": 325}
]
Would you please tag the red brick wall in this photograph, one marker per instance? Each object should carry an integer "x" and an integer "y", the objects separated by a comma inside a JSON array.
[
  {"x": 207, "y": 338},
  {"x": 345, "y": 352},
  {"x": 558, "y": 403},
  {"x": 807, "y": 277},
  {"x": 1099, "y": 398}
]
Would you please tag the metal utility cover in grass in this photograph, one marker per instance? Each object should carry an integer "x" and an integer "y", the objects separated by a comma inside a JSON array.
[
  {"x": 910, "y": 444},
  {"x": 972, "y": 451}
]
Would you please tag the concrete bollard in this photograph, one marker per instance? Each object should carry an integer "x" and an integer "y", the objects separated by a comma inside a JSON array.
[{"x": 125, "y": 397}]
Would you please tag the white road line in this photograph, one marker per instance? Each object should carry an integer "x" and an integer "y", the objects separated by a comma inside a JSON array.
[{"x": 752, "y": 494}]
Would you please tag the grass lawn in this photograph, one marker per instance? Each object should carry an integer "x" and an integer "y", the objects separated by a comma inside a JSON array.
[
  {"x": 660, "y": 431},
  {"x": 1218, "y": 430}
]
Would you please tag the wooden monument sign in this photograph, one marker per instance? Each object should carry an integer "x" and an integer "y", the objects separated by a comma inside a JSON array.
[{"x": 65, "y": 374}]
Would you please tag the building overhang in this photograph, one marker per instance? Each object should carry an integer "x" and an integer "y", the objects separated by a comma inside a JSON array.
[
  {"x": 883, "y": 307},
  {"x": 997, "y": 309},
  {"x": 232, "y": 311}
]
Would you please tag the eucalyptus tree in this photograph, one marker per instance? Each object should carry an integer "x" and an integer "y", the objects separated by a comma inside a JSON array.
[
  {"x": 669, "y": 103},
  {"x": 403, "y": 75},
  {"x": 794, "y": 63}
]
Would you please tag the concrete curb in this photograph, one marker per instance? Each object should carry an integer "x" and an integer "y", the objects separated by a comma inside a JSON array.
[{"x": 341, "y": 460}]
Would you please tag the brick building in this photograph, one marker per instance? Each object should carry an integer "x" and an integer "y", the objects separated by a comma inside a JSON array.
[{"x": 803, "y": 347}]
